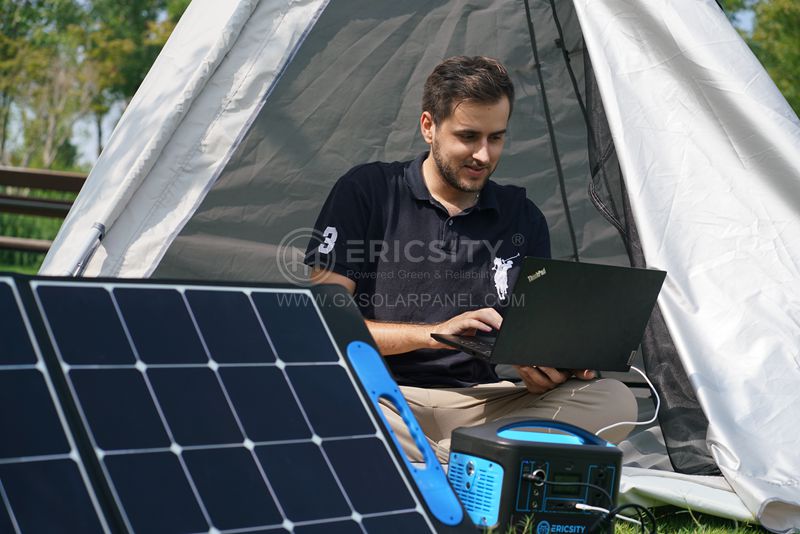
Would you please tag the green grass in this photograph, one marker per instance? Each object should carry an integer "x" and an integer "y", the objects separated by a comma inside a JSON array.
[
  {"x": 681, "y": 521},
  {"x": 670, "y": 520},
  {"x": 29, "y": 226}
]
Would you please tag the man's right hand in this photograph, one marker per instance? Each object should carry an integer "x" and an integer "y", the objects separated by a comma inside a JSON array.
[
  {"x": 397, "y": 338},
  {"x": 467, "y": 324}
]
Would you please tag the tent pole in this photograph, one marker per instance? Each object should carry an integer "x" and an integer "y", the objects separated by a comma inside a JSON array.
[
  {"x": 551, "y": 132},
  {"x": 87, "y": 249},
  {"x": 561, "y": 43},
  {"x": 613, "y": 215}
]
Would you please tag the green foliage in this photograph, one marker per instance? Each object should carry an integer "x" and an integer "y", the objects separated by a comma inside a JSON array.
[
  {"x": 28, "y": 226},
  {"x": 775, "y": 40},
  {"x": 126, "y": 41},
  {"x": 732, "y": 7},
  {"x": 175, "y": 9},
  {"x": 16, "y": 21},
  {"x": 672, "y": 520},
  {"x": 61, "y": 61},
  {"x": 55, "y": 93},
  {"x": 43, "y": 86}
]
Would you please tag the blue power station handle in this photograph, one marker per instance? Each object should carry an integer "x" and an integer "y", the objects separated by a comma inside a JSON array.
[
  {"x": 577, "y": 435},
  {"x": 431, "y": 481}
]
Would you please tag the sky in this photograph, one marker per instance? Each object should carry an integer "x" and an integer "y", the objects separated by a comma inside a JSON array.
[{"x": 744, "y": 20}]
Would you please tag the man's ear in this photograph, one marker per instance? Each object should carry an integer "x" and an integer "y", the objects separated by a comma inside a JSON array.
[{"x": 427, "y": 127}]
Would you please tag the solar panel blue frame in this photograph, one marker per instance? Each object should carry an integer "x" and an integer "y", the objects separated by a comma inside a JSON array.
[
  {"x": 217, "y": 408},
  {"x": 44, "y": 485}
]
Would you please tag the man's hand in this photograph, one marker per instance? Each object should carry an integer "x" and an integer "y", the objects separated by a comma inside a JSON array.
[
  {"x": 467, "y": 324},
  {"x": 540, "y": 380}
]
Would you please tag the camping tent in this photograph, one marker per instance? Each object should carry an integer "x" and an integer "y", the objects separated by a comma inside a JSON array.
[{"x": 646, "y": 131}]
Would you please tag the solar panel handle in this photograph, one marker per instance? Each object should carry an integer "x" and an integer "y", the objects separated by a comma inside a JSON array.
[{"x": 431, "y": 481}]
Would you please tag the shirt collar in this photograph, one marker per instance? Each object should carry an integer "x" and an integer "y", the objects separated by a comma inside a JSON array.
[{"x": 416, "y": 183}]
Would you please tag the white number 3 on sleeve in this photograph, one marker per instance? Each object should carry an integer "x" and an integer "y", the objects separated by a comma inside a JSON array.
[{"x": 330, "y": 236}]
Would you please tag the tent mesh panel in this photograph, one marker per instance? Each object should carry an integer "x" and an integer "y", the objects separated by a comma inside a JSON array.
[{"x": 682, "y": 421}]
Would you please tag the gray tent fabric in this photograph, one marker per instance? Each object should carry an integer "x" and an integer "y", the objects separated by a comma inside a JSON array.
[{"x": 352, "y": 95}]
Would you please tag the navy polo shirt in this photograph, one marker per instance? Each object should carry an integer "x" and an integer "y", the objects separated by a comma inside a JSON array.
[{"x": 414, "y": 263}]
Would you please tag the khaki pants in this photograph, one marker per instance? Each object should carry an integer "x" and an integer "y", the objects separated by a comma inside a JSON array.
[{"x": 591, "y": 405}]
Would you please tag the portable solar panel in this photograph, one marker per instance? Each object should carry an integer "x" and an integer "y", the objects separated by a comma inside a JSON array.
[
  {"x": 43, "y": 483},
  {"x": 211, "y": 408}
]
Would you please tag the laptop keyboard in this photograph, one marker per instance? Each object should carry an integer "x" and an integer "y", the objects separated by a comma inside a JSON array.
[{"x": 478, "y": 344}]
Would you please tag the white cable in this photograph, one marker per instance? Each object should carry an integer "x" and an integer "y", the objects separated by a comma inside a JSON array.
[
  {"x": 588, "y": 508},
  {"x": 635, "y": 423},
  {"x": 581, "y": 506}
]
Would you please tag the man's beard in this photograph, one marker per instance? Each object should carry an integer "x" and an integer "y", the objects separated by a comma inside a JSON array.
[{"x": 450, "y": 174}]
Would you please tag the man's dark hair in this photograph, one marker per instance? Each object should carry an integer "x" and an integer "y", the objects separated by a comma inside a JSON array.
[{"x": 465, "y": 79}]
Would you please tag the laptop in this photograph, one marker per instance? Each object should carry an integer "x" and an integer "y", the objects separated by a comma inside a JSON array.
[{"x": 570, "y": 315}]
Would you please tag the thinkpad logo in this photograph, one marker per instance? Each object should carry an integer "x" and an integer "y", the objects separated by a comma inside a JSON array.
[{"x": 538, "y": 274}]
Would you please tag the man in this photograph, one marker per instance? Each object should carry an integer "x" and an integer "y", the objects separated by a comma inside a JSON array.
[{"x": 433, "y": 245}]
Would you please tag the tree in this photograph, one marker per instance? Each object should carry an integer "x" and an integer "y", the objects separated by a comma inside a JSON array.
[
  {"x": 125, "y": 40},
  {"x": 775, "y": 40},
  {"x": 55, "y": 95},
  {"x": 40, "y": 78},
  {"x": 63, "y": 60},
  {"x": 732, "y": 7},
  {"x": 17, "y": 20}
]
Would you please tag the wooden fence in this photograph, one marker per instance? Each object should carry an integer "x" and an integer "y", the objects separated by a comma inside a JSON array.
[{"x": 22, "y": 181}]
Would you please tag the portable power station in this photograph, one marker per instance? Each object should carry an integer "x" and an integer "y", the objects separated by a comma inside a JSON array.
[{"x": 509, "y": 470}]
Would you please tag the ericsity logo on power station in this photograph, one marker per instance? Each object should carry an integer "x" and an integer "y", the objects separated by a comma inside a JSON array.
[{"x": 545, "y": 527}]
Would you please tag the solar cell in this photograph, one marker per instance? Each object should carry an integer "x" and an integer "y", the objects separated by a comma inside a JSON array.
[
  {"x": 86, "y": 325},
  {"x": 266, "y": 406},
  {"x": 195, "y": 406},
  {"x": 36, "y": 429},
  {"x": 16, "y": 348},
  {"x": 317, "y": 386},
  {"x": 43, "y": 484},
  {"x": 216, "y": 471},
  {"x": 293, "y": 323},
  {"x": 338, "y": 527},
  {"x": 304, "y": 484},
  {"x": 225, "y": 409},
  {"x": 230, "y": 326},
  {"x": 160, "y": 325},
  {"x": 154, "y": 492},
  {"x": 368, "y": 493},
  {"x": 45, "y": 495},
  {"x": 410, "y": 522},
  {"x": 7, "y": 524},
  {"x": 119, "y": 408}
]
